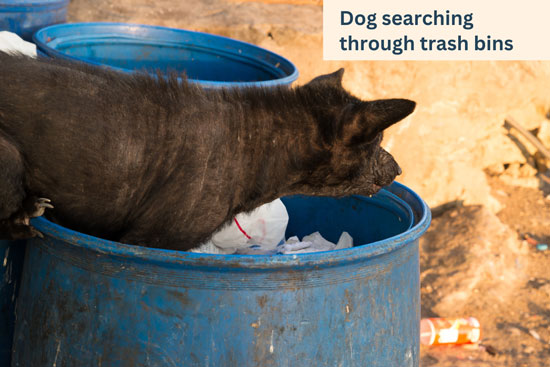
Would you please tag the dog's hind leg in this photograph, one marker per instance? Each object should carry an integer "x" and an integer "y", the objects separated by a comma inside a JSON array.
[{"x": 15, "y": 207}]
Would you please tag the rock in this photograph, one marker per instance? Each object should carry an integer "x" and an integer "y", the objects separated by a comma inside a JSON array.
[
  {"x": 545, "y": 289},
  {"x": 520, "y": 174},
  {"x": 495, "y": 169},
  {"x": 544, "y": 133}
]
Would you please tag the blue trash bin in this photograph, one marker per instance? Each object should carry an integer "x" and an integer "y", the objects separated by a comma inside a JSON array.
[
  {"x": 24, "y": 17},
  {"x": 89, "y": 302},
  {"x": 213, "y": 61}
]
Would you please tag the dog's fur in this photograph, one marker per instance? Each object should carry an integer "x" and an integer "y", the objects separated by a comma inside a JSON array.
[{"x": 159, "y": 162}]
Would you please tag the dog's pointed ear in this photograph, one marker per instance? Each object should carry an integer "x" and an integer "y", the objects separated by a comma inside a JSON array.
[
  {"x": 332, "y": 79},
  {"x": 361, "y": 122}
]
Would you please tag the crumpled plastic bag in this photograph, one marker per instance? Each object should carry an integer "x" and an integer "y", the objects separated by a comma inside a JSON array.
[
  {"x": 11, "y": 42},
  {"x": 262, "y": 232},
  {"x": 314, "y": 243},
  {"x": 265, "y": 226},
  {"x": 310, "y": 243}
]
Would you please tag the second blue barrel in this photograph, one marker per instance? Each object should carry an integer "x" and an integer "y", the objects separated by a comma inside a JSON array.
[
  {"x": 211, "y": 60},
  {"x": 89, "y": 302}
]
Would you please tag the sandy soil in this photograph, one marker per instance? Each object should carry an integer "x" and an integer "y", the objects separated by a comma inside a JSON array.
[{"x": 477, "y": 264}]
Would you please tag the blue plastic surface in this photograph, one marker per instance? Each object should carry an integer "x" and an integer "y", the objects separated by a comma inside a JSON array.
[
  {"x": 26, "y": 17},
  {"x": 89, "y": 302},
  {"x": 212, "y": 60},
  {"x": 11, "y": 266}
]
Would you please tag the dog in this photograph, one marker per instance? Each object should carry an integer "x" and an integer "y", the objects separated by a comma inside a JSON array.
[{"x": 158, "y": 161}]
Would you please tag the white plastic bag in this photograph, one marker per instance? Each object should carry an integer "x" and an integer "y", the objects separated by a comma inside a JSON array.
[
  {"x": 310, "y": 243},
  {"x": 265, "y": 226},
  {"x": 314, "y": 243},
  {"x": 11, "y": 42}
]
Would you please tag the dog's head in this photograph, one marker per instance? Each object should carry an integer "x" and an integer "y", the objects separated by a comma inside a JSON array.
[{"x": 345, "y": 156}]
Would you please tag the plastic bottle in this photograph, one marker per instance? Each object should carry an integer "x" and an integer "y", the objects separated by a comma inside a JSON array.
[{"x": 438, "y": 331}]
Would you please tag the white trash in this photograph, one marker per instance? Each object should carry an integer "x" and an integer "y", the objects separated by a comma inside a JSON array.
[
  {"x": 12, "y": 43},
  {"x": 265, "y": 226},
  {"x": 310, "y": 243},
  {"x": 262, "y": 232}
]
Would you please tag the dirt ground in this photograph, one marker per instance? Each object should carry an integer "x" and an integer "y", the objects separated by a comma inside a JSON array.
[
  {"x": 475, "y": 260},
  {"x": 476, "y": 264}
]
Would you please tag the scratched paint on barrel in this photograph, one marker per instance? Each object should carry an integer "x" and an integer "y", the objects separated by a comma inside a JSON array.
[
  {"x": 86, "y": 303},
  {"x": 11, "y": 258}
]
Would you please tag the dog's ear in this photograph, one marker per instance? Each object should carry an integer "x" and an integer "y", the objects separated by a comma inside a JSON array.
[
  {"x": 361, "y": 122},
  {"x": 332, "y": 79}
]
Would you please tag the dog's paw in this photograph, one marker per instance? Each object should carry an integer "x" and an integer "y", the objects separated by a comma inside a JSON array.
[
  {"x": 40, "y": 206},
  {"x": 18, "y": 226},
  {"x": 32, "y": 207}
]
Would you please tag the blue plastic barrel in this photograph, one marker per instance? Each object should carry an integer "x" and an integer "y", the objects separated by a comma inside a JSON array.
[
  {"x": 212, "y": 60},
  {"x": 89, "y": 302},
  {"x": 24, "y": 17},
  {"x": 11, "y": 266}
]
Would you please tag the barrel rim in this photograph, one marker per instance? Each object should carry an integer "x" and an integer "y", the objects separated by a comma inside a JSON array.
[
  {"x": 40, "y": 39},
  {"x": 175, "y": 257},
  {"x": 31, "y": 6}
]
